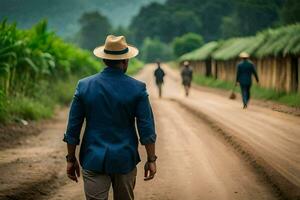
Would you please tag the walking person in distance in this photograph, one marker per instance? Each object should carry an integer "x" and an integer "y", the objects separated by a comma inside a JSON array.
[
  {"x": 187, "y": 77},
  {"x": 245, "y": 70},
  {"x": 159, "y": 78}
]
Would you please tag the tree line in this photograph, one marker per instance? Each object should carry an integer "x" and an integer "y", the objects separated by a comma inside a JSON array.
[{"x": 164, "y": 30}]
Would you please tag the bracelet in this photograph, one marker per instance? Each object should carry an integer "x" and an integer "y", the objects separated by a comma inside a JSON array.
[
  {"x": 152, "y": 159},
  {"x": 71, "y": 158}
]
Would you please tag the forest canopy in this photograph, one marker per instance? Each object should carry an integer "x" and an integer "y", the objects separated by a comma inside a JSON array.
[{"x": 160, "y": 21}]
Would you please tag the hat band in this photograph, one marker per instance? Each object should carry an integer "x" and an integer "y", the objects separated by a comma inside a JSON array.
[{"x": 117, "y": 52}]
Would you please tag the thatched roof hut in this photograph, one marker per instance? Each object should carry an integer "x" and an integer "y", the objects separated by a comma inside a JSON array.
[
  {"x": 201, "y": 54},
  {"x": 280, "y": 42},
  {"x": 201, "y": 58},
  {"x": 276, "y": 53}
]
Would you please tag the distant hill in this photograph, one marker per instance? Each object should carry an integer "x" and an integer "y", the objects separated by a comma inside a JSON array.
[{"x": 64, "y": 14}]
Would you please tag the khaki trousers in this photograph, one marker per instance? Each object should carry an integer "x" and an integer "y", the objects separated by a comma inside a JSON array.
[{"x": 96, "y": 185}]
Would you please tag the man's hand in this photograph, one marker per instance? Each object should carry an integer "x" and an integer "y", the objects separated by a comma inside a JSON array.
[
  {"x": 150, "y": 170},
  {"x": 73, "y": 170}
]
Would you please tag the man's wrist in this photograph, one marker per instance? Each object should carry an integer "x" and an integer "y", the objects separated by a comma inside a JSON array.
[
  {"x": 71, "y": 158},
  {"x": 152, "y": 158}
]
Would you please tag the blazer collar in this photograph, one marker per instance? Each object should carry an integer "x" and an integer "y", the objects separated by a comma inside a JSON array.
[{"x": 112, "y": 70}]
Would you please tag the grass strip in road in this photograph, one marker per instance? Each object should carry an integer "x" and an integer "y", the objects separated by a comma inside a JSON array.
[
  {"x": 289, "y": 99},
  {"x": 283, "y": 188}
]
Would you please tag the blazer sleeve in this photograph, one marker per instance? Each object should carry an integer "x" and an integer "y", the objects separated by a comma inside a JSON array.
[
  {"x": 237, "y": 74},
  {"x": 255, "y": 73},
  {"x": 76, "y": 118},
  {"x": 145, "y": 119}
]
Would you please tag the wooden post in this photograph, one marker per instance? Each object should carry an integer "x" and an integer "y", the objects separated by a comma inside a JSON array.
[
  {"x": 288, "y": 74},
  {"x": 274, "y": 74},
  {"x": 298, "y": 74},
  {"x": 213, "y": 68}
]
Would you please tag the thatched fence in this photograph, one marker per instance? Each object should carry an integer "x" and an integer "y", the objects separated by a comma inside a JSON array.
[{"x": 275, "y": 52}]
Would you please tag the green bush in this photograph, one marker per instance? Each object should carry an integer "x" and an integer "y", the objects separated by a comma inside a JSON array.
[
  {"x": 290, "y": 99},
  {"x": 63, "y": 91},
  {"x": 3, "y": 104},
  {"x": 28, "y": 109},
  {"x": 38, "y": 70},
  {"x": 187, "y": 43},
  {"x": 154, "y": 49}
]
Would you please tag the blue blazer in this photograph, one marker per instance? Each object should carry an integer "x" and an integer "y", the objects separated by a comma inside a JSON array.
[
  {"x": 245, "y": 70},
  {"x": 110, "y": 102}
]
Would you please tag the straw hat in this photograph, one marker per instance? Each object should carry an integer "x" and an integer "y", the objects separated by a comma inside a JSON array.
[
  {"x": 244, "y": 55},
  {"x": 116, "y": 48},
  {"x": 186, "y": 63}
]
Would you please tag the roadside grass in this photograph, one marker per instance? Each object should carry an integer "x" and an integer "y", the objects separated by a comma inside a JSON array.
[
  {"x": 41, "y": 105},
  {"x": 290, "y": 99},
  {"x": 27, "y": 108},
  {"x": 64, "y": 90},
  {"x": 212, "y": 82}
]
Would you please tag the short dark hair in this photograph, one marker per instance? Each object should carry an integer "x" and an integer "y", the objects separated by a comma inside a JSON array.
[{"x": 112, "y": 63}]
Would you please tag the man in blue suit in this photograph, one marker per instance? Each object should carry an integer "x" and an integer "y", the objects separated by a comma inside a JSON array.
[
  {"x": 245, "y": 70},
  {"x": 111, "y": 103}
]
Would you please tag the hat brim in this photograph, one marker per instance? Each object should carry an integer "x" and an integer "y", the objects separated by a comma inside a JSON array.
[
  {"x": 132, "y": 52},
  {"x": 244, "y": 56}
]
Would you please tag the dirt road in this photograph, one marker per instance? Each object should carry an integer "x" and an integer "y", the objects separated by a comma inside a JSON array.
[
  {"x": 271, "y": 136},
  {"x": 194, "y": 163}
]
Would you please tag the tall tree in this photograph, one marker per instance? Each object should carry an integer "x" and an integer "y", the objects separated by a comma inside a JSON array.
[
  {"x": 255, "y": 15},
  {"x": 290, "y": 12},
  {"x": 94, "y": 29},
  {"x": 187, "y": 43},
  {"x": 178, "y": 17},
  {"x": 163, "y": 22},
  {"x": 154, "y": 49}
]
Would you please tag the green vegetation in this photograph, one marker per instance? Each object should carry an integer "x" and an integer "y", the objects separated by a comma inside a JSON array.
[
  {"x": 186, "y": 43},
  {"x": 257, "y": 92},
  {"x": 37, "y": 71},
  {"x": 213, "y": 19},
  {"x": 202, "y": 53},
  {"x": 161, "y": 20},
  {"x": 281, "y": 41},
  {"x": 231, "y": 48},
  {"x": 271, "y": 42},
  {"x": 94, "y": 26},
  {"x": 154, "y": 49},
  {"x": 251, "y": 16},
  {"x": 64, "y": 14},
  {"x": 212, "y": 82},
  {"x": 290, "y": 12}
]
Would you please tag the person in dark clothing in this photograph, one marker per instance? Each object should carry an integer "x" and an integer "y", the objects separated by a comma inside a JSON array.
[
  {"x": 187, "y": 77},
  {"x": 159, "y": 78},
  {"x": 245, "y": 70},
  {"x": 118, "y": 115}
]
